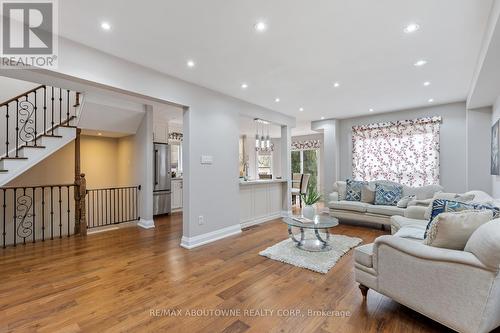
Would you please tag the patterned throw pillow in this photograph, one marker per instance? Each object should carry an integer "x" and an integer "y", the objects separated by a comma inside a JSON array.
[
  {"x": 388, "y": 195},
  {"x": 443, "y": 206},
  {"x": 353, "y": 189}
]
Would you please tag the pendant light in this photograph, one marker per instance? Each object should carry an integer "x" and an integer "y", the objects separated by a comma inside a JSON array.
[
  {"x": 268, "y": 140},
  {"x": 262, "y": 139},
  {"x": 257, "y": 139}
]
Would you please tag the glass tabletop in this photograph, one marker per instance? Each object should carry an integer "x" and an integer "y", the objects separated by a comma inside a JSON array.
[{"x": 318, "y": 222}]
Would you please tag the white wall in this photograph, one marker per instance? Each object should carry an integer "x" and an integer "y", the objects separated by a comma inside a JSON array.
[
  {"x": 479, "y": 149},
  {"x": 495, "y": 180},
  {"x": 452, "y": 141}
]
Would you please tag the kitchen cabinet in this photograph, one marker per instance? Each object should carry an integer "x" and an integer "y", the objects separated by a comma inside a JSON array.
[{"x": 176, "y": 194}]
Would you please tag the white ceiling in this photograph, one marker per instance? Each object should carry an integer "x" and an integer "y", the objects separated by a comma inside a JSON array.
[{"x": 308, "y": 46}]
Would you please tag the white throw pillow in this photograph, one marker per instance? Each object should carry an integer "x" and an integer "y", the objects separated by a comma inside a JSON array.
[
  {"x": 403, "y": 203},
  {"x": 340, "y": 187},
  {"x": 452, "y": 230}
]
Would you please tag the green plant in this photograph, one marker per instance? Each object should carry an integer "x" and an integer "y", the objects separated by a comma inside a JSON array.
[{"x": 311, "y": 197}]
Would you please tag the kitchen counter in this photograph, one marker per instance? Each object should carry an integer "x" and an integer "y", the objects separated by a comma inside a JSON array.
[
  {"x": 262, "y": 200},
  {"x": 262, "y": 181}
]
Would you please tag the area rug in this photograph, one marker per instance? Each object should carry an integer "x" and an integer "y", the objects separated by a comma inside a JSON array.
[{"x": 320, "y": 262}]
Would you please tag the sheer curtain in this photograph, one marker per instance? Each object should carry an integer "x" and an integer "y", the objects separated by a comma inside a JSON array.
[{"x": 405, "y": 152}]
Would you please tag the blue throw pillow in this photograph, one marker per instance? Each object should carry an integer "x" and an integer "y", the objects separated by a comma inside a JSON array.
[
  {"x": 443, "y": 206},
  {"x": 353, "y": 189},
  {"x": 388, "y": 195}
]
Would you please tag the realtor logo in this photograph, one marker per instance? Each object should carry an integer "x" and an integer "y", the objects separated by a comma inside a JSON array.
[{"x": 29, "y": 33}]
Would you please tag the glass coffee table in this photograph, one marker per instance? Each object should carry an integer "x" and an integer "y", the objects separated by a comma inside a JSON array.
[{"x": 318, "y": 243}]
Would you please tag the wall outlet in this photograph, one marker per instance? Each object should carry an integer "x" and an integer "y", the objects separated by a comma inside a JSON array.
[{"x": 201, "y": 220}]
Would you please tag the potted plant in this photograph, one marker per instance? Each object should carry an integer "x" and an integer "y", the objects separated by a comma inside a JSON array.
[{"x": 310, "y": 199}]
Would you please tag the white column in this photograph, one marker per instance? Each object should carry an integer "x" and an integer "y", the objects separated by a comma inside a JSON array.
[
  {"x": 331, "y": 151},
  {"x": 286, "y": 168},
  {"x": 144, "y": 170}
]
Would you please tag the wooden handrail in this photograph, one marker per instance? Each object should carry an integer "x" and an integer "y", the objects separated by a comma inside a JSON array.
[
  {"x": 35, "y": 186},
  {"x": 22, "y": 95}
]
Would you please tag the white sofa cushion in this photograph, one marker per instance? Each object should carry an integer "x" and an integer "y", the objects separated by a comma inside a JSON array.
[
  {"x": 364, "y": 255},
  {"x": 398, "y": 222},
  {"x": 355, "y": 206},
  {"x": 452, "y": 230},
  {"x": 340, "y": 187},
  {"x": 385, "y": 210},
  {"x": 484, "y": 243},
  {"x": 423, "y": 192},
  {"x": 414, "y": 232}
]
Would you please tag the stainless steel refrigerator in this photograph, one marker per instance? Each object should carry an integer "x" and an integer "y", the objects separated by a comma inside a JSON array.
[{"x": 162, "y": 179}]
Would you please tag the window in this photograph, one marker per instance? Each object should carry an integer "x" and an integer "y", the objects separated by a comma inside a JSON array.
[
  {"x": 406, "y": 152},
  {"x": 307, "y": 161},
  {"x": 264, "y": 164}
]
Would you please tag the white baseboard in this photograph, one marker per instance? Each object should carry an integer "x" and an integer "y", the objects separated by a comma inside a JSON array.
[
  {"x": 192, "y": 242},
  {"x": 268, "y": 218},
  {"x": 146, "y": 224}
]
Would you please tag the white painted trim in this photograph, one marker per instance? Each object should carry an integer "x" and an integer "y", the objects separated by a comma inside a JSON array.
[
  {"x": 146, "y": 224},
  {"x": 268, "y": 218},
  {"x": 209, "y": 237}
]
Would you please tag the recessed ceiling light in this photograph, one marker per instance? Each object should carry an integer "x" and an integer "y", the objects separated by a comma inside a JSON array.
[
  {"x": 301, "y": 109},
  {"x": 244, "y": 86},
  {"x": 99, "y": 133},
  {"x": 431, "y": 100},
  {"x": 427, "y": 83},
  {"x": 336, "y": 84},
  {"x": 277, "y": 100},
  {"x": 420, "y": 63},
  {"x": 105, "y": 26},
  {"x": 260, "y": 26},
  {"x": 190, "y": 63},
  {"x": 371, "y": 110},
  {"x": 322, "y": 118},
  {"x": 412, "y": 27}
]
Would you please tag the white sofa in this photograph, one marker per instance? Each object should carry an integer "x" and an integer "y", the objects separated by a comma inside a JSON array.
[
  {"x": 377, "y": 214},
  {"x": 460, "y": 289}
]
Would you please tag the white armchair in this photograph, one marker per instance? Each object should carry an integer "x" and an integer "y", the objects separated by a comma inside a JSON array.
[{"x": 460, "y": 289}]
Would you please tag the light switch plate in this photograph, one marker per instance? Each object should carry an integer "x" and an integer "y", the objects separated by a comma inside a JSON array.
[{"x": 207, "y": 159}]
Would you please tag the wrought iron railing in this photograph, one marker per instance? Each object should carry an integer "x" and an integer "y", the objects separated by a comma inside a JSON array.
[
  {"x": 114, "y": 205},
  {"x": 24, "y": 119}
]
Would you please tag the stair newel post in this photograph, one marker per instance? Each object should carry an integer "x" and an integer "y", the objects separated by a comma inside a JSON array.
[{"x": 82, "y": 194}]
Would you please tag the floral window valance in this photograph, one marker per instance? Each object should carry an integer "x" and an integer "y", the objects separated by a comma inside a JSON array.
[
  {"x": 306, "y": 144},
  {"x": 405, "y": 151}
]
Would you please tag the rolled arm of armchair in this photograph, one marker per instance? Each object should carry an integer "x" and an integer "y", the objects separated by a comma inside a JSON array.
[{"x": 419, "y": 250}]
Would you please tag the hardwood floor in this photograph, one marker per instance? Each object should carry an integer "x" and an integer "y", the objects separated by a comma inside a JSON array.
[{"x": 133, "y": 279}]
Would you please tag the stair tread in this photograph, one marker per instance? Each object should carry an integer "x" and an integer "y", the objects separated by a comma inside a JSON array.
[
  {"x": 52, "y": 136},
  {"x": 4, "y": 171},
  {"x": 36, "y": 147},
  {"x": 13, "y": 158}
]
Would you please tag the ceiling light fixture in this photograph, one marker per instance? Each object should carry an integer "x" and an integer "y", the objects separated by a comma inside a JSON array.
[
  {"x": 336, "y": 84},
  {"x": 105, "y": 26},
  {"x": 190, "y": 63},
  {"x": 412, "y": 27},
  {"x": 100, "y": 134},
  {"x": 301, "y": 109},
  {"x": 420, "y": 63},
  {"x": 244, "y": 86},
  {"x": 431, "y": 100},
  {"x": 260, "y": 26},
  {"x": 277, "y": 100},
  {"x": 371, "y": 110},
  {"x": 427, "y": 83},
  {"x": 322, "y": 118}
]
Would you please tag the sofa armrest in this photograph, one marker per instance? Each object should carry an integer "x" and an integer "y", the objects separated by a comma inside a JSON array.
[
  {"x": 419, "y": 250},
  {"x": 334, "y": 196},
  {"x": 415, "y": 212}
]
